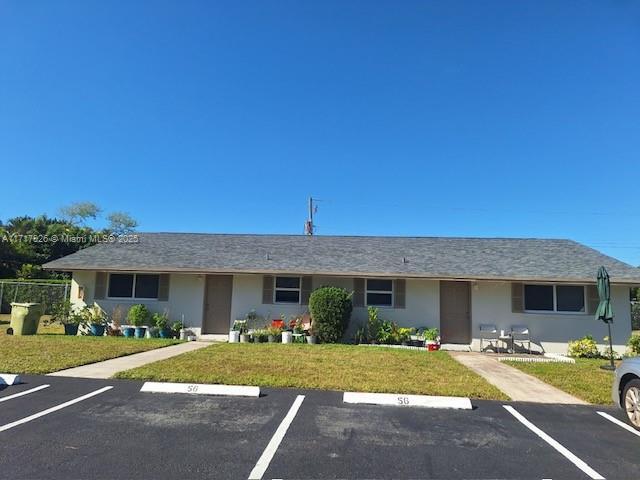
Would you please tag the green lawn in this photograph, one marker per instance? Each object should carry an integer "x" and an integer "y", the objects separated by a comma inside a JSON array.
[
  {"x": 330, "y": 367},
  {"x": 585, "y": 379},
  {"x": 42, "y": 328},
  {"x": 39, "y": 354}
]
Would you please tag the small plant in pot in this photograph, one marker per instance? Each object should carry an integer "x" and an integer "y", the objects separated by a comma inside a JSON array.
[
  {"x": 431, "y": 338},
  {"x": 138, "y": 316},
  {"x": 404, "y": 335},
  {"x": 161, "y": 322},
  {"x": 274, "y": 334},
  {"x": 236, "y": 330},
  {"x": 95, "y": 317},
  {"x": 260, "y": 335},
  {"x": 176, "y": 327},
  {"x": 64, "y": 313},
  {"x": 241, "y": 327},
  {"x": 312, "y": 338},
  {"x": 114, "y": 329}
]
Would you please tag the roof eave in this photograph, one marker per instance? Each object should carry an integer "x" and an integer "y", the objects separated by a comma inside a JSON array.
[{"x": 194, "y": 271}]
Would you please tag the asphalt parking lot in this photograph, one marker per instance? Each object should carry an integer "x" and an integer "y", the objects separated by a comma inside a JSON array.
[{"x": 78, "y": 428}]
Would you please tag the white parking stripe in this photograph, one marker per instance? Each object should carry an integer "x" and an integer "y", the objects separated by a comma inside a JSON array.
[
  {"x": 26, "y": 392},
  {"x": 274, "y": 443},
  {"x": 53, "y": 409},
  {"x": 619, "y": 423},
  {"x": 567, "y": 454}
]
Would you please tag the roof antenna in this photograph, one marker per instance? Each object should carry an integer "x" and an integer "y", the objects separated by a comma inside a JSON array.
[{"x": 308, "y": 225}]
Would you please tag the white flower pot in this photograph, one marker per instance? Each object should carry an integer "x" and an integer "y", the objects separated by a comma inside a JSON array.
[
  {"x": 234, "y": 336},
  {"x": 287, "y": 337}
]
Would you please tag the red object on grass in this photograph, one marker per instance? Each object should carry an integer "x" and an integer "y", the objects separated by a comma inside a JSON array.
[
  {"x": 433, "y": 346},
  {"x": 277, "y": 323}
]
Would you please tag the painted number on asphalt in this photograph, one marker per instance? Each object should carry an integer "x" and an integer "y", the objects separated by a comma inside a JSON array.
[
  {"x": 403, "y": 400},
  {"x": 192, "y": 389}
]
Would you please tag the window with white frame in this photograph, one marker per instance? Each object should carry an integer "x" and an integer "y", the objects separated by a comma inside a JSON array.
[
  {"x": 379, "y": 292},
  {"x": 133, "y": 285},
  {"x": 554, "y": 298},
  {"x": 287, "y": 290}
]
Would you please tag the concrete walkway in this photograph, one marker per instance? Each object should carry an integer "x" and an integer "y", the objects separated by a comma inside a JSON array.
[
  {"x": 518, "y": 385},
  {"x": 109, "y": 368}
]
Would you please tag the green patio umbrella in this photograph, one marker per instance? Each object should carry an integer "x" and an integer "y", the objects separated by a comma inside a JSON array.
[{"x": 604, "y": 311}]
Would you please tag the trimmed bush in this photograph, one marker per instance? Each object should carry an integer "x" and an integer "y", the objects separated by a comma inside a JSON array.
[
  {"x": 331, "y": 311},
  {"x": 586, "y": 347},
  {"x": 634, "y": 344},
  {"x": 635, "y": 315}
]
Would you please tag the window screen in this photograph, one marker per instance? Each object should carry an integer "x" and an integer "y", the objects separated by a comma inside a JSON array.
[
  {"x": 570, "y": 298},
  {"x": 121, "y": 285},
  {"x": 147, "y": 286},
  {"x": 538, "y": 297}
]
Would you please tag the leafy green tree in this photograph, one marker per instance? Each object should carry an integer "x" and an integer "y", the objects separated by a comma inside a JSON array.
[
  {"x": 80, "y": 212},
  {"x": 28, "y": 242},
  {"x": 121, "y": 223}
]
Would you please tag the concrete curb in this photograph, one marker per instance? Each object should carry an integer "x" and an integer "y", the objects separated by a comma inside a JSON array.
[
  {"x": 201, "y": 389},
  {"x": 9, "y": 379},
  {"x": 400, "y": 400}
]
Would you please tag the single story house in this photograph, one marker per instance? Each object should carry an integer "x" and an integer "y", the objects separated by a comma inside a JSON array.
[{"x": 455, "y": 284}]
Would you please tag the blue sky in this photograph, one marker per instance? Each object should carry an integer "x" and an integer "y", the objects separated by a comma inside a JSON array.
[{"x": 496, "y": 118}]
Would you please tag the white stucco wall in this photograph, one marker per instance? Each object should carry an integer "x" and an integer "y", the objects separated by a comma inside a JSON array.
[
  {"x": 422, "y": 302},
  {"x": 491, "y": 304},
  {"x": 186, "y": 295}
]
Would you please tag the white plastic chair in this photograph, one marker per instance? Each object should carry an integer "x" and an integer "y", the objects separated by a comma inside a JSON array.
[
  {"x": 520, "y": 333},
  {"x": 488, "y": 332}
]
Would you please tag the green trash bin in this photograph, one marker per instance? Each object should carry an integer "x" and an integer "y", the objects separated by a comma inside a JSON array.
[{"x": 25, "y": 318}]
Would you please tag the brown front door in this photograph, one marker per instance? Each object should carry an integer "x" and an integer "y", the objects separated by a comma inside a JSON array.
[
  {"x": 455, "y": 312},
  {"x": 217, "y": 304}
]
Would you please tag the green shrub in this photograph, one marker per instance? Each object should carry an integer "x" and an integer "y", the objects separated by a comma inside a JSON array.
[
  {"x": 65, "y": 313},
  {"x": 403, "y": 334},
  {"x": 635, "y": 315},
  {"x": 93, "y": 315},
  {"x": 330, "y": 309},
  {"x": 160, "y": 320},
  {"x": 634, "y": 344},
  {"x": 138, "y": 315},
  {"x": 586, "y": 347},
  {"x": 386, "y": 332},
  {"x": 431, "y": 334},
  {"x": 373, "y": 324}
]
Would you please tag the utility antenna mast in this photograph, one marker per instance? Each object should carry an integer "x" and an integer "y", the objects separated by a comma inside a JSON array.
[{"x": 308, "y": 225}]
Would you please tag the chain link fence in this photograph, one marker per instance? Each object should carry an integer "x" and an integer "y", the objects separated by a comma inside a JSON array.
[{"x": 46, "y": 293}]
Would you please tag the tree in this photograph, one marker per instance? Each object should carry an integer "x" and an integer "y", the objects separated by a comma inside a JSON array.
[
  {"x": 121, "y": 223},
  {"x": 80, "y": 212}
]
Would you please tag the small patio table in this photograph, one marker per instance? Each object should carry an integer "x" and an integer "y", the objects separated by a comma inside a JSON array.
[{"x": 507, "y": 339}]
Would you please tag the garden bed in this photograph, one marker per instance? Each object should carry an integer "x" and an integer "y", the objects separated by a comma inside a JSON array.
[{"x": 328, "y": 367}]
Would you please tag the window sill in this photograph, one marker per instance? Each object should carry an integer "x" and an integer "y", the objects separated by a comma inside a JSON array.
[{"x": 552, "y": 312}]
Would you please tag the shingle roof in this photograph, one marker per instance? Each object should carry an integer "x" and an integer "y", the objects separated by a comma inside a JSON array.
[{"x": 433, "y": 257}]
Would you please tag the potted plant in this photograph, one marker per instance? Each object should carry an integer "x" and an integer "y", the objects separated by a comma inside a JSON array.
[
  {"x": 114, "y": 328},
  {"x": 404, "y": 335},
  {"x": 64, "y": 313},
  {"x": 298, "y": 330},
  {"x": 432, "y": 338},
  {"x": 96, "y": 319},
  {"x": 160, "y": 321},
  {"x": 236, "y": 329},
  {"x": 259, "y": 335},
  {"x": 241, "y": 326},
  {"x": 273, "y": 334},
  {"x": 176, "y": 327},
  {"x": 312, "y": 338},
  {"x": 138, "y": 316}
]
